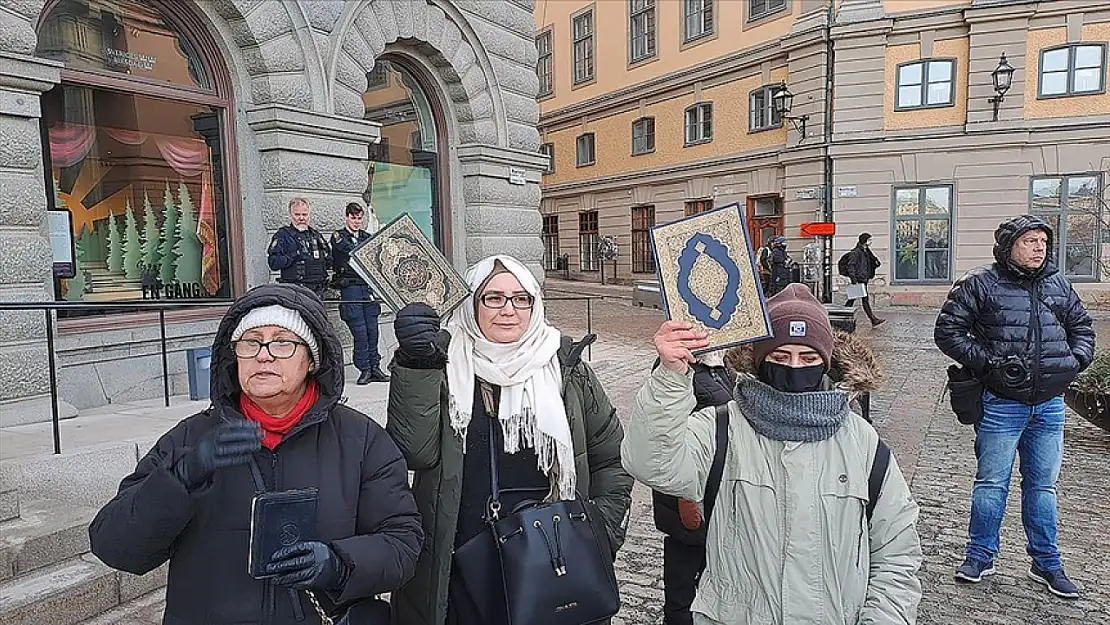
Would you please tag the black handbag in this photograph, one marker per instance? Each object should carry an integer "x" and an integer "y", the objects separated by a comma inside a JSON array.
[
  {"x": 555, "y": 559},
  {"x": 965, "y": 393}
]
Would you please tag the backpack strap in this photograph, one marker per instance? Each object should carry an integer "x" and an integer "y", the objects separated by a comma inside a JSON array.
[
  {"x": 717, "y": 469},
  {"x": 877, "y": 477}
]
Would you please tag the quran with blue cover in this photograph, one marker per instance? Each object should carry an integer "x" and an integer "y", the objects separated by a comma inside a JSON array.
[{"x": 707, "y": 276}]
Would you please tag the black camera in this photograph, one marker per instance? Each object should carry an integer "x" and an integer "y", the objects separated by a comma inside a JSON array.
[{"x": 1012, "y": 370}]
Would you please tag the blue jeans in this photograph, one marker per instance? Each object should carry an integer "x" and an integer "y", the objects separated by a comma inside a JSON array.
[
  {"x": 1036, "y": 435},
  {"x": 362, "y": 319}
]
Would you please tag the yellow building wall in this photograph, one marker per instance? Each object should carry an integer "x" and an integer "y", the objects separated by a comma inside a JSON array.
[
  {"x": 611, "y": 71},
  {"x": 930, "y": 117},
  {"x": 613, "y": 134},
  {"x": 907, "y": 6},
  {"x": 1074, "y": 106}
]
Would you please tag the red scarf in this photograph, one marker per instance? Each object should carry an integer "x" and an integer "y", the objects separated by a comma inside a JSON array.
[{"x": 275, "y": 428}]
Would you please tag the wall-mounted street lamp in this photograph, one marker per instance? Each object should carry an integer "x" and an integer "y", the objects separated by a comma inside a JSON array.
[
  {"x": 783, "y": 102},
  {"x": 1002, "y": 77}
]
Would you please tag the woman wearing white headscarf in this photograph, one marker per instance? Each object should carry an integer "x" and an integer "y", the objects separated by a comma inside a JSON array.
[{"x": 555, "y": 433}]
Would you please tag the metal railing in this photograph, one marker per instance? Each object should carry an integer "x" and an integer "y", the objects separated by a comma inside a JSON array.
[{"x": 161, "y": 306}]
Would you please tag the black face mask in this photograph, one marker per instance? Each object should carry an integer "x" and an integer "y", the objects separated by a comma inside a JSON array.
[{"x": 792, "y": 379}]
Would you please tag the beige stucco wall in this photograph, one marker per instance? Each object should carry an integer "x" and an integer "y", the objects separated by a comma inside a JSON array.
[
  {"x": 907, "y": 6},
  {"x": 930, "y": 117},
  {"x": 1097, "y": 104}
]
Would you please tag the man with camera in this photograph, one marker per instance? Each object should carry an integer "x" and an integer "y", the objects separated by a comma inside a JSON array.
[{"x": 1019, "y": 328}]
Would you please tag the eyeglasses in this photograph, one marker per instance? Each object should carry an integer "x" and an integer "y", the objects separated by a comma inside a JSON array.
[
  {"x": 497, "y": 301},
  {"x": 280, "y": 349}
]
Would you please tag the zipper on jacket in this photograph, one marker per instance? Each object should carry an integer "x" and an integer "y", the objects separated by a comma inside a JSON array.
[{"x": 1035, "y": 319}]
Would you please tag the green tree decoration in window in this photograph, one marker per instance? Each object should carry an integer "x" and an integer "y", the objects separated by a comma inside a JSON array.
[
  {"x": 115, "y": 246},
  {"x": 132, "y": 245},
  {"x": 171, "y": 231},
  {"x": 189, "y": 247},
  {"x": 151, "y": 235}
]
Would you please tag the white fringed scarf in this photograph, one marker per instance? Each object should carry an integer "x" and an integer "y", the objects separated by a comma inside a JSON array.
[{"x": 531, "y": 411}]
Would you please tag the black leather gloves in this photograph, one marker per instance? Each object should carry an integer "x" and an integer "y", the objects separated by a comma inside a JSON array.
[
  {"x": 308, "y": 566},
  {"x": 417, "y": 331},
  {"x": 227, "y": 445}
]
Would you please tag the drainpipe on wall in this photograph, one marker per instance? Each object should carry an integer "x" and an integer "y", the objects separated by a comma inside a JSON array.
[{"x": 826, "y": 291}]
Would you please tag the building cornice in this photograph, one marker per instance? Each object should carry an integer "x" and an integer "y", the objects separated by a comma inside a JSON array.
[{"x": 957, "y": 139}]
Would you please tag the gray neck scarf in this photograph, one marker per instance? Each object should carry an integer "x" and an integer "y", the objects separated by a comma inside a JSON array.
[{"x": 805, "y": 417}]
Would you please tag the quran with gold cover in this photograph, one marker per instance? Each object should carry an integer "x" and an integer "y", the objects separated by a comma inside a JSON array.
[
  {"x": 707, "y": 276},
  {"x": 404, "y": 268}
]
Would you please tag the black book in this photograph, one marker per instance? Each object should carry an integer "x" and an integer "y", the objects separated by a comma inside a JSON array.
[{"x": 279, "y": 519}]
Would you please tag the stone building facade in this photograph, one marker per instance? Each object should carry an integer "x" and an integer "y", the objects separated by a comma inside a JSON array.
[{"x": 192, "y": 123}]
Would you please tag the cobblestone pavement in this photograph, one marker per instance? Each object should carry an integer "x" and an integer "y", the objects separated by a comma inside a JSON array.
[{"x": 935, "y": 453}]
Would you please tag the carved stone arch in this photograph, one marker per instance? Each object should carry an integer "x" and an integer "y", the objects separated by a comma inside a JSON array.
[{"x": 435, "y": 30}]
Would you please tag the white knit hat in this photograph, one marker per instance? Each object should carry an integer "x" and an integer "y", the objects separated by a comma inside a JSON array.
[{"x": 282, "y": 317}]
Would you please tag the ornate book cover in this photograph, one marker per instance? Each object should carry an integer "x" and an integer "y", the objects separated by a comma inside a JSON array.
[
  {"x": 707, "y": 276},
  {"x": 403, "y": 267}
]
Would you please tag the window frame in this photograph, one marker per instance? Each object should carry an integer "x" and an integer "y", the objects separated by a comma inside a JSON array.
[
  {"x": 920, "y": 218},
  {"x": 649, "y": 13},
  {"x": 686, "y": 141},
  {"x": 707, "y": 7},
  {"x": 550, "y": 262},
  {"x": 925, "y": 82},
  {"x": 548, "y": 90},
  {"x": 766, "y": 13},
  {"x": 643, "y": 258},
  {"x": 768, "y": 92},
  {"x": 578, "y": 162},
  {"x": 593, "y": 236},
  {"x": 548, "y": 149},
  {"x": 648, "y": 134},
  {"x": 589, "y": 47},
  {"x": 697, "y": 207},
  {"x": 1059, "y": 254},
  {"x": 1070, "y": 87}
]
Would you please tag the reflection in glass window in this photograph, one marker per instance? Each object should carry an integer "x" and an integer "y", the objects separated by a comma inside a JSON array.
[
  {"x": 1073, "y": 202},
  {"x": 403, "y": 180},
  {"x": 1075, "y": 69},
  {"x": 122, "y": 36},
  {"x": 923, "y": 84},
  {"x": 142, "y": 180},
  {"x": 922, "y": 233}
]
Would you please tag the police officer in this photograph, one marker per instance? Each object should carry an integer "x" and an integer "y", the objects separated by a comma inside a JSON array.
[
  {"x": 361, "y": 315},
  {"x": 299, "y": 251}
]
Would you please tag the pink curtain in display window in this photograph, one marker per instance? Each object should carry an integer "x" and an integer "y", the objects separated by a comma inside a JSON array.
[{"x": 70, "y": 144}]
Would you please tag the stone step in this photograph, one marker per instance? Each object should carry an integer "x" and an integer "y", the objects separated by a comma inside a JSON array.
[
  {"x": 46, "y": 533},
  {"x": 145, "y": 610},
  {"x": 9, "y": 506},
  {"x": 63, "y": 594}
]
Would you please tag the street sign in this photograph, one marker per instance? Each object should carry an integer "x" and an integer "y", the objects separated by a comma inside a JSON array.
[{"x": 819, "y": 229}]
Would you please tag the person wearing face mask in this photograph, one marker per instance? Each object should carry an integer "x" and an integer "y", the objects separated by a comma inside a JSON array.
[
  {"x": 808, "y": 526},
  {"x": 299, "y": 252},
  {"x": 555, "y": 432}
]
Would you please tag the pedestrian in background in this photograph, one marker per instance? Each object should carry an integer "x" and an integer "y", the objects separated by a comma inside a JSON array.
[
  {"x": 276, "y": 422},
  {"x": 681, "y": 520},
  {"x": 1018, "y": 327},
  {"x": 781, "y": 266},
  {"x": 498, "y": 381},
  {"x": 299, "y": 251},
  {"x": 361, "y": 313},
  {"x": 861, "y": 267}
]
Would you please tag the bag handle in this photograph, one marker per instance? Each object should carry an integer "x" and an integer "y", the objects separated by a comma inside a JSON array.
[{"x": 717, "y": 469}]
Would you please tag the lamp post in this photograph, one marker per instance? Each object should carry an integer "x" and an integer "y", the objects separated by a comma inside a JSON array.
[
  {"x": 782, "y": 101},
  {"x": 1002, "y": 77}
]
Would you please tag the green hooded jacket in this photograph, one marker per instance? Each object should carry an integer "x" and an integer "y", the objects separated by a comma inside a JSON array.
[{"x": 419, "y": 423}]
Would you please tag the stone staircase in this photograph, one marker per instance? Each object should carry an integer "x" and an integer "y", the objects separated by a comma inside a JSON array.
[{"x": 47, "y": 574}]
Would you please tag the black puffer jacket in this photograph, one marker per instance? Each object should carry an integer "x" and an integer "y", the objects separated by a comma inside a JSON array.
[
  {"x": 1000, "y": 310},
  {"x": 712, "y": 387},
  {"x": 366, "y": 512}
]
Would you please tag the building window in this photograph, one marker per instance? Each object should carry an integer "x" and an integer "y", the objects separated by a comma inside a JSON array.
[
  {"x": 763, "y": 115},
  {"x": 376, "y": 77},
  {"x": 548, "y": 149},
  {"x": 697, "y": 207},
  {"x": 767, "y": 206},
  {"x": 925, "y": 84},
  {"x": 584, "y": 152},
  {"x": 587, "y": 241},
  {"x": 699, "y": 123},
  {"x": 141, "y": 167},
  {"x": 643, "y": 135},
  {"x": 697, "y": 19},
  {"x": 551, "y": 242},
  {"x": 641, "y": 30},
  {"x": 922, "y": 233},
  {"x": 1077, "y": 69},
  {"x": 759, "y": 9},
  {"x": 583, "y": 29},
  {"x": 1072, "y": 206},
  {"x": 544, "y": 66},
  {"x": 643, "y": 220}
]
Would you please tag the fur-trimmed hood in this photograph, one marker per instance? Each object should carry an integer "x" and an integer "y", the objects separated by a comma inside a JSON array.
[{"x": 854, "y": 365}]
